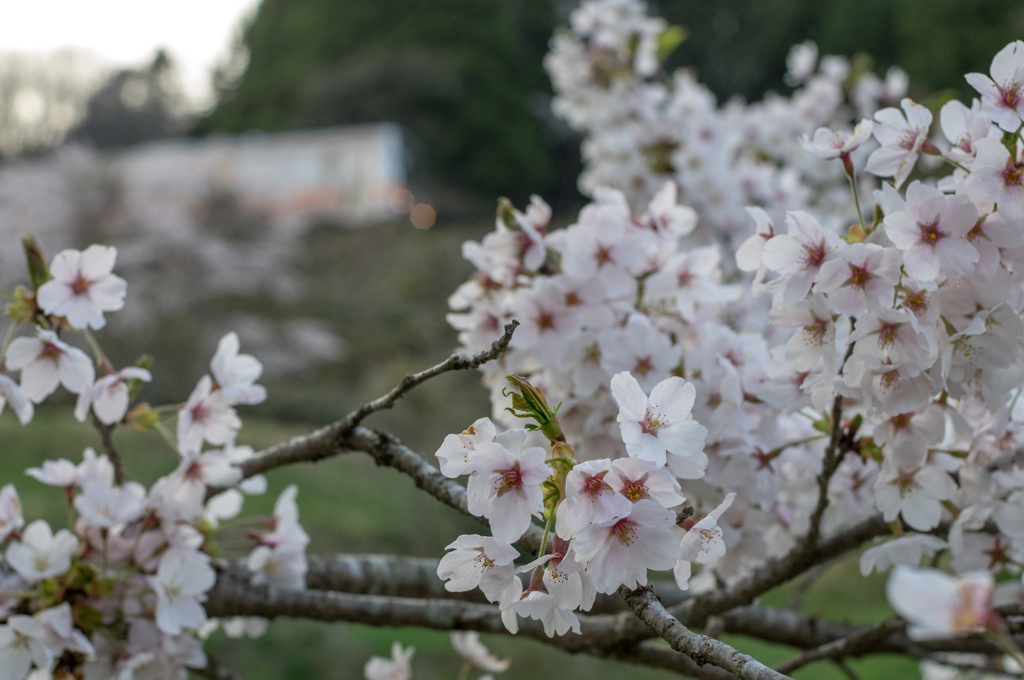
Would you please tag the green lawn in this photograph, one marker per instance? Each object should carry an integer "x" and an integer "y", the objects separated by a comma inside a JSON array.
[{"x": 350, "y": 505}]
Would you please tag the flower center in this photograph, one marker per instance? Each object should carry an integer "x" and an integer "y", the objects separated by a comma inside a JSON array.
[
  {"x": 643, "y": 365},
  {"x": 509, "y": 480},
  {"x": 603, "y": 254},
  {"x": 545, "y": 320},
  {"x": 887, "y": 335},
  {"x": 653, "y": 422},
  {"x": 1010, "y": 95},
  {"x": 859, "y": 277},
  {"x": 1013, "y": 174},
  {"x": 909, "y": 140},
  {"x": 916, "y": 302},
  {"x": 80, "y": 286},
  {"x": 50, "y": 351},
  {"x": 572, "y": 299},
  {"x": 635, "y": 491},
  {"x": 596, "y": 485},
  {"x": 625, "y": 531},
  {"x": 930, "y": 234},
  {"x": 814, "y": 254},
  {"x": 816, "y": 331},
  {"x": 41, "y": 563},
  {"x": 684, "y": 278}
]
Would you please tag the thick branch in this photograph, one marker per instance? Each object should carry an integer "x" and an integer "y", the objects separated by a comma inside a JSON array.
[
  {"x": 327, "y": 440},
  {"x": 701, "y": 648}
]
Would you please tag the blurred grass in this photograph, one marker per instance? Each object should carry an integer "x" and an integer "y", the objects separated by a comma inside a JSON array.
[{"x": 384, "y": 290}]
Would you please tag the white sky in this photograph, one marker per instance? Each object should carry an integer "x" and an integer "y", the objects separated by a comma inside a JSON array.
[{"x": 128, "y": 32}]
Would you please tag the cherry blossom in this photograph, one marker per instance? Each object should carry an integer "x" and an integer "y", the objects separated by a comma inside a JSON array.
[
  {"x": 1003, "y": 93},
  {"x": 11, "y": 519},
  {"x": 45, "y": 362},
  {"x": 932, "y": 233},
  {"x": 236, "y": 374},
  {"x": 480, "y": 561},
  {"x": 864, "y": 279},
  {"x": 207, "y": 416},
  {"x": 22, "y": 646},
  {"x": 620, "y": 551},
  {"x": 902, "y": 136},
  {"x": 828, "y": 144},
  {"x": 395, "y": 668},
  {"x": 83, "y": 287},
  {"x": 180, "y": 585},
  {"x": 589, "y": 498},
  {"x": 39, "y": 553},
  {"x": 702, "y": 543},
  {"x": 659, "y": 424},
  {"x": 469, "y": 647},
  {"x": 638, "y": 479},
  {"x": 800, "y": 254},
  {"x": 108, "y": 397},
  {"x": 939, "y": 605},
  {"x": 999, "y": 176},
  {"x": 11, "y": 394},
  {"x": 457, "y": 449},
  {"x": 506, "y": 488}
]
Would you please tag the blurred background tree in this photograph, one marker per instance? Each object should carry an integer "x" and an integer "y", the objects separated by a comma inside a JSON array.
[{"x": 465, "y": 78}]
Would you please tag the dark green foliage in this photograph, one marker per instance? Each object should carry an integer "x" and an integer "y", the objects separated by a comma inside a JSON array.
[
  {"x": 740, "y": 46},
  {"x": 463, "y": 77}
]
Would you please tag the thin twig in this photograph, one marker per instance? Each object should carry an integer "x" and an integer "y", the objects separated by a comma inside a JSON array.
[
  {"x": 215, "y": 670},
  {"x": 106, "y": 435},
  {"x": 846, "y": 670},
  {"x": 851, "y": 645},
  {"x": 325, "y": 442},
  {"x": 828, "y": 467}
]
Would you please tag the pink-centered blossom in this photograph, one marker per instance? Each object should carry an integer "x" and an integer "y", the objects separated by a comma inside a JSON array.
[
  {"x": 589, "y": 498},
  {"x": 206, "y": 416},
  {"x": 619, "y": 552},
  {"x": 661, "y": 423},
  {"x": 46, "y": 362},
  {"x": 506, "y": 488},
  {"x": 800, "y": 254},
  {"x": 1003, "y": 93},
  {"x": 109, "y": 396},
  {"x": 902, "y": 136},
  {"x": 638, "y": 479},
  {"x": 863, "y": 279},
  {"x": 828, "y": 144},
  {"x": 938, "y": 605},
  {"x": 998, "y": 175},
  {"x": 481, "y": 562},
  {"x": 932, "y": 233},
  {"x": 83, "y": 286}
]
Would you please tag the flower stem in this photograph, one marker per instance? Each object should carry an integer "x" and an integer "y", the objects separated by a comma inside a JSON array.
[{"x": 856, "y": 200}]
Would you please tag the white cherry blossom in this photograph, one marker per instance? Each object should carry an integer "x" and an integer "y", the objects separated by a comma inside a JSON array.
[
  {"x": 938, "y": 605},
  {"x": 589, "y": 498},
  {"x": 10, "y": 393},
  {"x": 661, "y": 423},
  {"x": 236, "y": 374},
  {"x": 40, "y": 554},
  {"x": 11, "y": 519},
  {"x": 902, "y": 135},
  {"x": 207, "y": 416},
  {"x": 108, "y": 397},
  {"x": 1003, "y": 93},
  {"x": 506, "y": 488},
  {"x": 619, "y": 552},
  {"x": 22, "y": 646},
  {"x": 83, "y": 286},
  {"x": 396, "y": 668},
  {"x": 180, "y": 584},
  {"x": 46, "y": 362}
]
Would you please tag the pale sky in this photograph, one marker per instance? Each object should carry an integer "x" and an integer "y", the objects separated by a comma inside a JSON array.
[{"x": 128, "y": 32}]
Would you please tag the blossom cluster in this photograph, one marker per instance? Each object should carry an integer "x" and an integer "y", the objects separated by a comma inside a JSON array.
[
  {"x": 119, "y": 592},
  {"x": 904, "y": 318},
  {"x": 643, "y": 127}
]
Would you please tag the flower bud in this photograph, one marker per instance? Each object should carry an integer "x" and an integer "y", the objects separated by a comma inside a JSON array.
[
  {"x": 142, "y": 418},
  {"x": 38, "y": 271},
  {"x": 529, "y": 402},
  {"x": 23, "y": 308}
]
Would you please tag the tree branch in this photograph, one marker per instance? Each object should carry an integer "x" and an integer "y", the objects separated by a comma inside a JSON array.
[
  {"x": 828, "y": 467},
  {"x": 106, "y": 435},
  {"x": 854, "y": 644},
  {"x": 701, "y": 648},
  {"x": 327, "y": 441},
  {"x": 215, "y": 670}
]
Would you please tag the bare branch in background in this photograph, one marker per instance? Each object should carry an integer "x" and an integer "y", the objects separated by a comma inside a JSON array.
[{"x": 327, "y": 441}]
